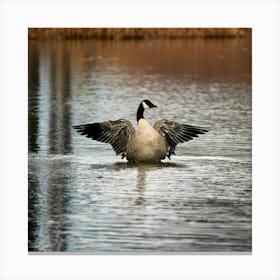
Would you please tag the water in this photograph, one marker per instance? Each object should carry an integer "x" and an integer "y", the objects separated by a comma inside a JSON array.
[{"x": 82, "y": 198}]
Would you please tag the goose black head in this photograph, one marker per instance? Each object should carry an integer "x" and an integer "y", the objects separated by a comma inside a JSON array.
[
  {"x": 148, "y": 104},
  {"x": 145, "y": 104}
]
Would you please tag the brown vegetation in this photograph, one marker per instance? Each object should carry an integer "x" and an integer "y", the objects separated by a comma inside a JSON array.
[{"x": 136, "y": 33}]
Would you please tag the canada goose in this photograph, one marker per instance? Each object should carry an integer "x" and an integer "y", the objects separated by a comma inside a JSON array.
[{"x": 147, "y": 143}]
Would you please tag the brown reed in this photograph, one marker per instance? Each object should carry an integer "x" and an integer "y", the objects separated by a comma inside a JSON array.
[{"x": 136, "y": 33}]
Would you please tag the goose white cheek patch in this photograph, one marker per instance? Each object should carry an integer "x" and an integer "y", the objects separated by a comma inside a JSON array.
[{"x": 145, "y": 106}]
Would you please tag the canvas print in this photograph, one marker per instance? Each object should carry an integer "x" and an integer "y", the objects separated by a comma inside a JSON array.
[{"x": 140, "y": 140}]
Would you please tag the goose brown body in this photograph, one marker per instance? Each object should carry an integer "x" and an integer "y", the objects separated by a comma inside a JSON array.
[{"x": 146, "y": 144}]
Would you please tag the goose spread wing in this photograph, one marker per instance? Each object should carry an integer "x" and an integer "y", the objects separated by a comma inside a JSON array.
[
  {"x": 115, "y": 133},
  {"x": 175, "y": 133}
]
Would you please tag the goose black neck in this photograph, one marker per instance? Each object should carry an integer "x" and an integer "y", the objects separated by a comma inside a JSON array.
[{"x": 140, "y": 112}]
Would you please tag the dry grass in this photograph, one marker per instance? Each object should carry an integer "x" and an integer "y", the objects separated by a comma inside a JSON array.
[{"x": 136, "y": 33}]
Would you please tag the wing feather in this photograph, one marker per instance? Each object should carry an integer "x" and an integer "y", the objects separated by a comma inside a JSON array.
[
  {"x": 115, "y": 133},
  {"x": 176, "y": 133}
]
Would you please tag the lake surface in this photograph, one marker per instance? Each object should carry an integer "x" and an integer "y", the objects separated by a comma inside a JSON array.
[{"x": 82, "y": 198}]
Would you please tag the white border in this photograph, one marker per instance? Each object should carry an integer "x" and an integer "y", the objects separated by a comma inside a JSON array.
[{"x": 17, "y": 16}]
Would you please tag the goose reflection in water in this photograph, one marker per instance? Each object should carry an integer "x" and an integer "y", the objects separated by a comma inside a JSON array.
[{"x": 143, "y": 170}]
